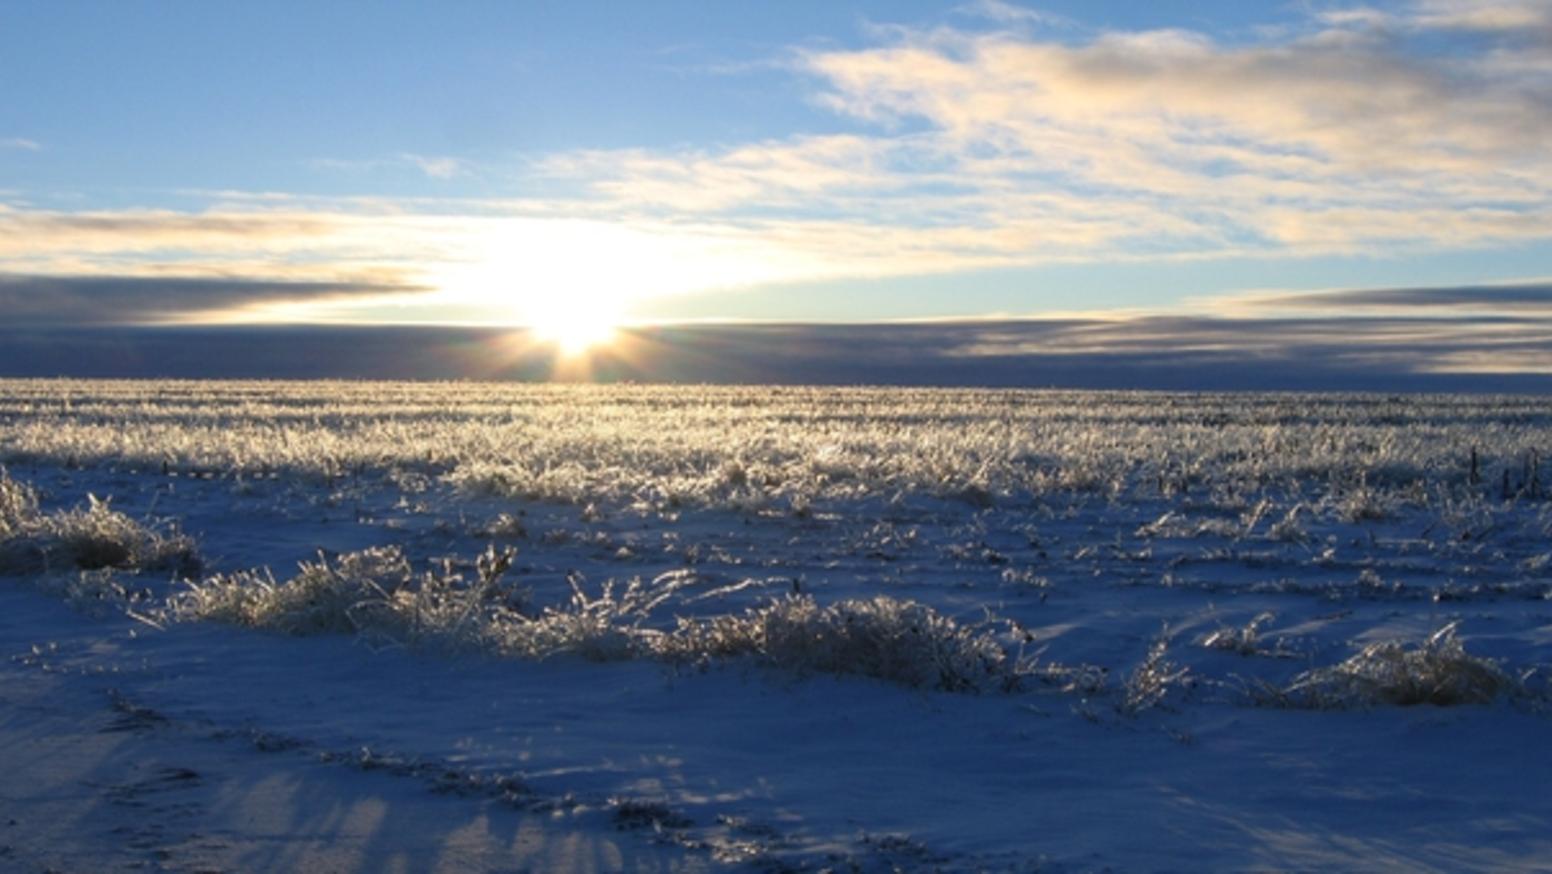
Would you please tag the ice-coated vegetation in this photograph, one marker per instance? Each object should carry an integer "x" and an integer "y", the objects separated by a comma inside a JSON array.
[
  {"x": 1437, "y": 671},
  {"x": 900, "y": 641},
  {"x": 374, "y": 593},
  {"x": 89, "y": 538},
  {"x": 1358, "y": 456},
  {"x": 1212, "y": 481},
  {"x": 714, "y": 614}
]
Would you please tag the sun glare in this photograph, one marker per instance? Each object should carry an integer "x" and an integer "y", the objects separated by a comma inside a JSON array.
[
  {"x": 573, "y": 281},
  {"x": 573, "y": 329}
]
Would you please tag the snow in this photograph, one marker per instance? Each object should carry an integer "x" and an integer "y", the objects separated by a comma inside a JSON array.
[{"x": 335, "y": 752}]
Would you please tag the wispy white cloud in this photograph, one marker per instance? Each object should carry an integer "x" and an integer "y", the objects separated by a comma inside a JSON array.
[
  {"x": 1006, "y": 146},
  {"x": 1013, "y": 14},
  {"x": 433, "y": 166},
  {"x": 21, "y": 143},
  {"x": 1480, "y": 15},
  {"x": 437, "y": 167}
]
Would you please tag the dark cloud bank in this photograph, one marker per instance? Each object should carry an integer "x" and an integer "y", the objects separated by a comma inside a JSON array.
[
  {"x": 1479, "y": 338},
  {"x": 45, "y": 301},
  {"x": 1176, "y": 353},
  {"x": 1528, "y": 297}
]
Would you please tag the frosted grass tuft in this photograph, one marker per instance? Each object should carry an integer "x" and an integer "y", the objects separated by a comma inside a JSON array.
[
  {"x": 375, "y": 594},
  {"x": 89, "y": 538},
  {"x": 900, "y": 641},
  {"x": 1437, "y": 671}
]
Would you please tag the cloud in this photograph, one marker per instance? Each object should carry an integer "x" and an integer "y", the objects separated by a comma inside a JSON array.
[
  {"x": 34, "y": 232},
  {"x": 491, "y": 262},
  {"x": 1178, "y": 353},
  {"x": 69, "y": 301},
  {"x": 1217, "y": 113},
  {"x": 437, "y": 167},
  {"x": 1359, "y": 131},
  {"x": 20, "y": 143},
  {"x": 1012, "y": 14},
  {"x": 1521, "y": 299},
  {"x": 325, "y": 247},
  {"x": 1342, "y": 351},
  {"x": 433, "y": 166},
  {"x": 1481, "y": 15},
  {"x": 1353, "y": 135}
]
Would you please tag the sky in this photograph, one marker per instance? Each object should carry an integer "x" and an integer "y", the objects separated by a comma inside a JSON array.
[{"x": 572, "y": 166}]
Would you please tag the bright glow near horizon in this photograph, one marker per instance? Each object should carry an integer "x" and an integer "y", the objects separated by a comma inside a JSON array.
[
  {"x": 574, "y": 326},
  {"x": 574, "y": 281}
]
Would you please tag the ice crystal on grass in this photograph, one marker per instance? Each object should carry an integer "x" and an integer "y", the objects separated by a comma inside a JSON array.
[
  {"x": 99, "y": 592},
  {"x": 899, "y": 641},
  {"x": 320, "y": 599},
  {"x": 1361, "y": 502},
  {"x": 1151, "y": 681},
  {"x": 1358, "y": 457},
  {"x": 1290, "y": 529},
  {"x": 602, "y": 628},
  {"x": 1438, "y": 671},
  {"x": 504, "y": 527},
  {"x": 18, "y": 507},
  {"x": 374, "y": 593},
  {"x": 87, "y": 538},
  {"x": 1245, "y": 640}
]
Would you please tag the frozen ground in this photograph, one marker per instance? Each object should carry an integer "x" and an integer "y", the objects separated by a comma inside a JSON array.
[{"x": 198, "y": 745}]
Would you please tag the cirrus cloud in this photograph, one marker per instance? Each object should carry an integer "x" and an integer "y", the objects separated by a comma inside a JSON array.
[{"x": 1352, "y": 135}]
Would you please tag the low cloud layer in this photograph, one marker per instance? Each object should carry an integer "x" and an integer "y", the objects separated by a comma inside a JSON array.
[
  {"x": 1527, "y": 298},
  {"x": 1177, "y": 353},
  {"x": 64, "y": 301}
]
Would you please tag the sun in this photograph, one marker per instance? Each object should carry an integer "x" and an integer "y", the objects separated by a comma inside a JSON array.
[{"x": 575, "y": 326}]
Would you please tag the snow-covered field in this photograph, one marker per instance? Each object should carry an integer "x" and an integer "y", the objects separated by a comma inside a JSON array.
[{"x": 648, "y": 628}]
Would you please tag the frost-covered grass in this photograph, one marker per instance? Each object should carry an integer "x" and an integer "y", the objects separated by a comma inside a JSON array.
[
  {"x": 89, "y": 538},
  {"x": 1355, "y": 457},
  {"x": 851, "y": 548},
  {"x": 1437, "y": 671},
  {"x": 1152, "y": 680},
  {"x": 322, "y": 598},
  {"x": 899, "y": 641},
  {"x": 1245, "y": 640},
  {"x": 376, "y": 594}
]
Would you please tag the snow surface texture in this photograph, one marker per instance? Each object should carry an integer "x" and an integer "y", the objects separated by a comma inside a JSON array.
[{"x": 677, "y": 629}]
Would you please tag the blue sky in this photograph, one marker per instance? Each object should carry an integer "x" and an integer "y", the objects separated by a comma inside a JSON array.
[{"x": 549, "y": 162}]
